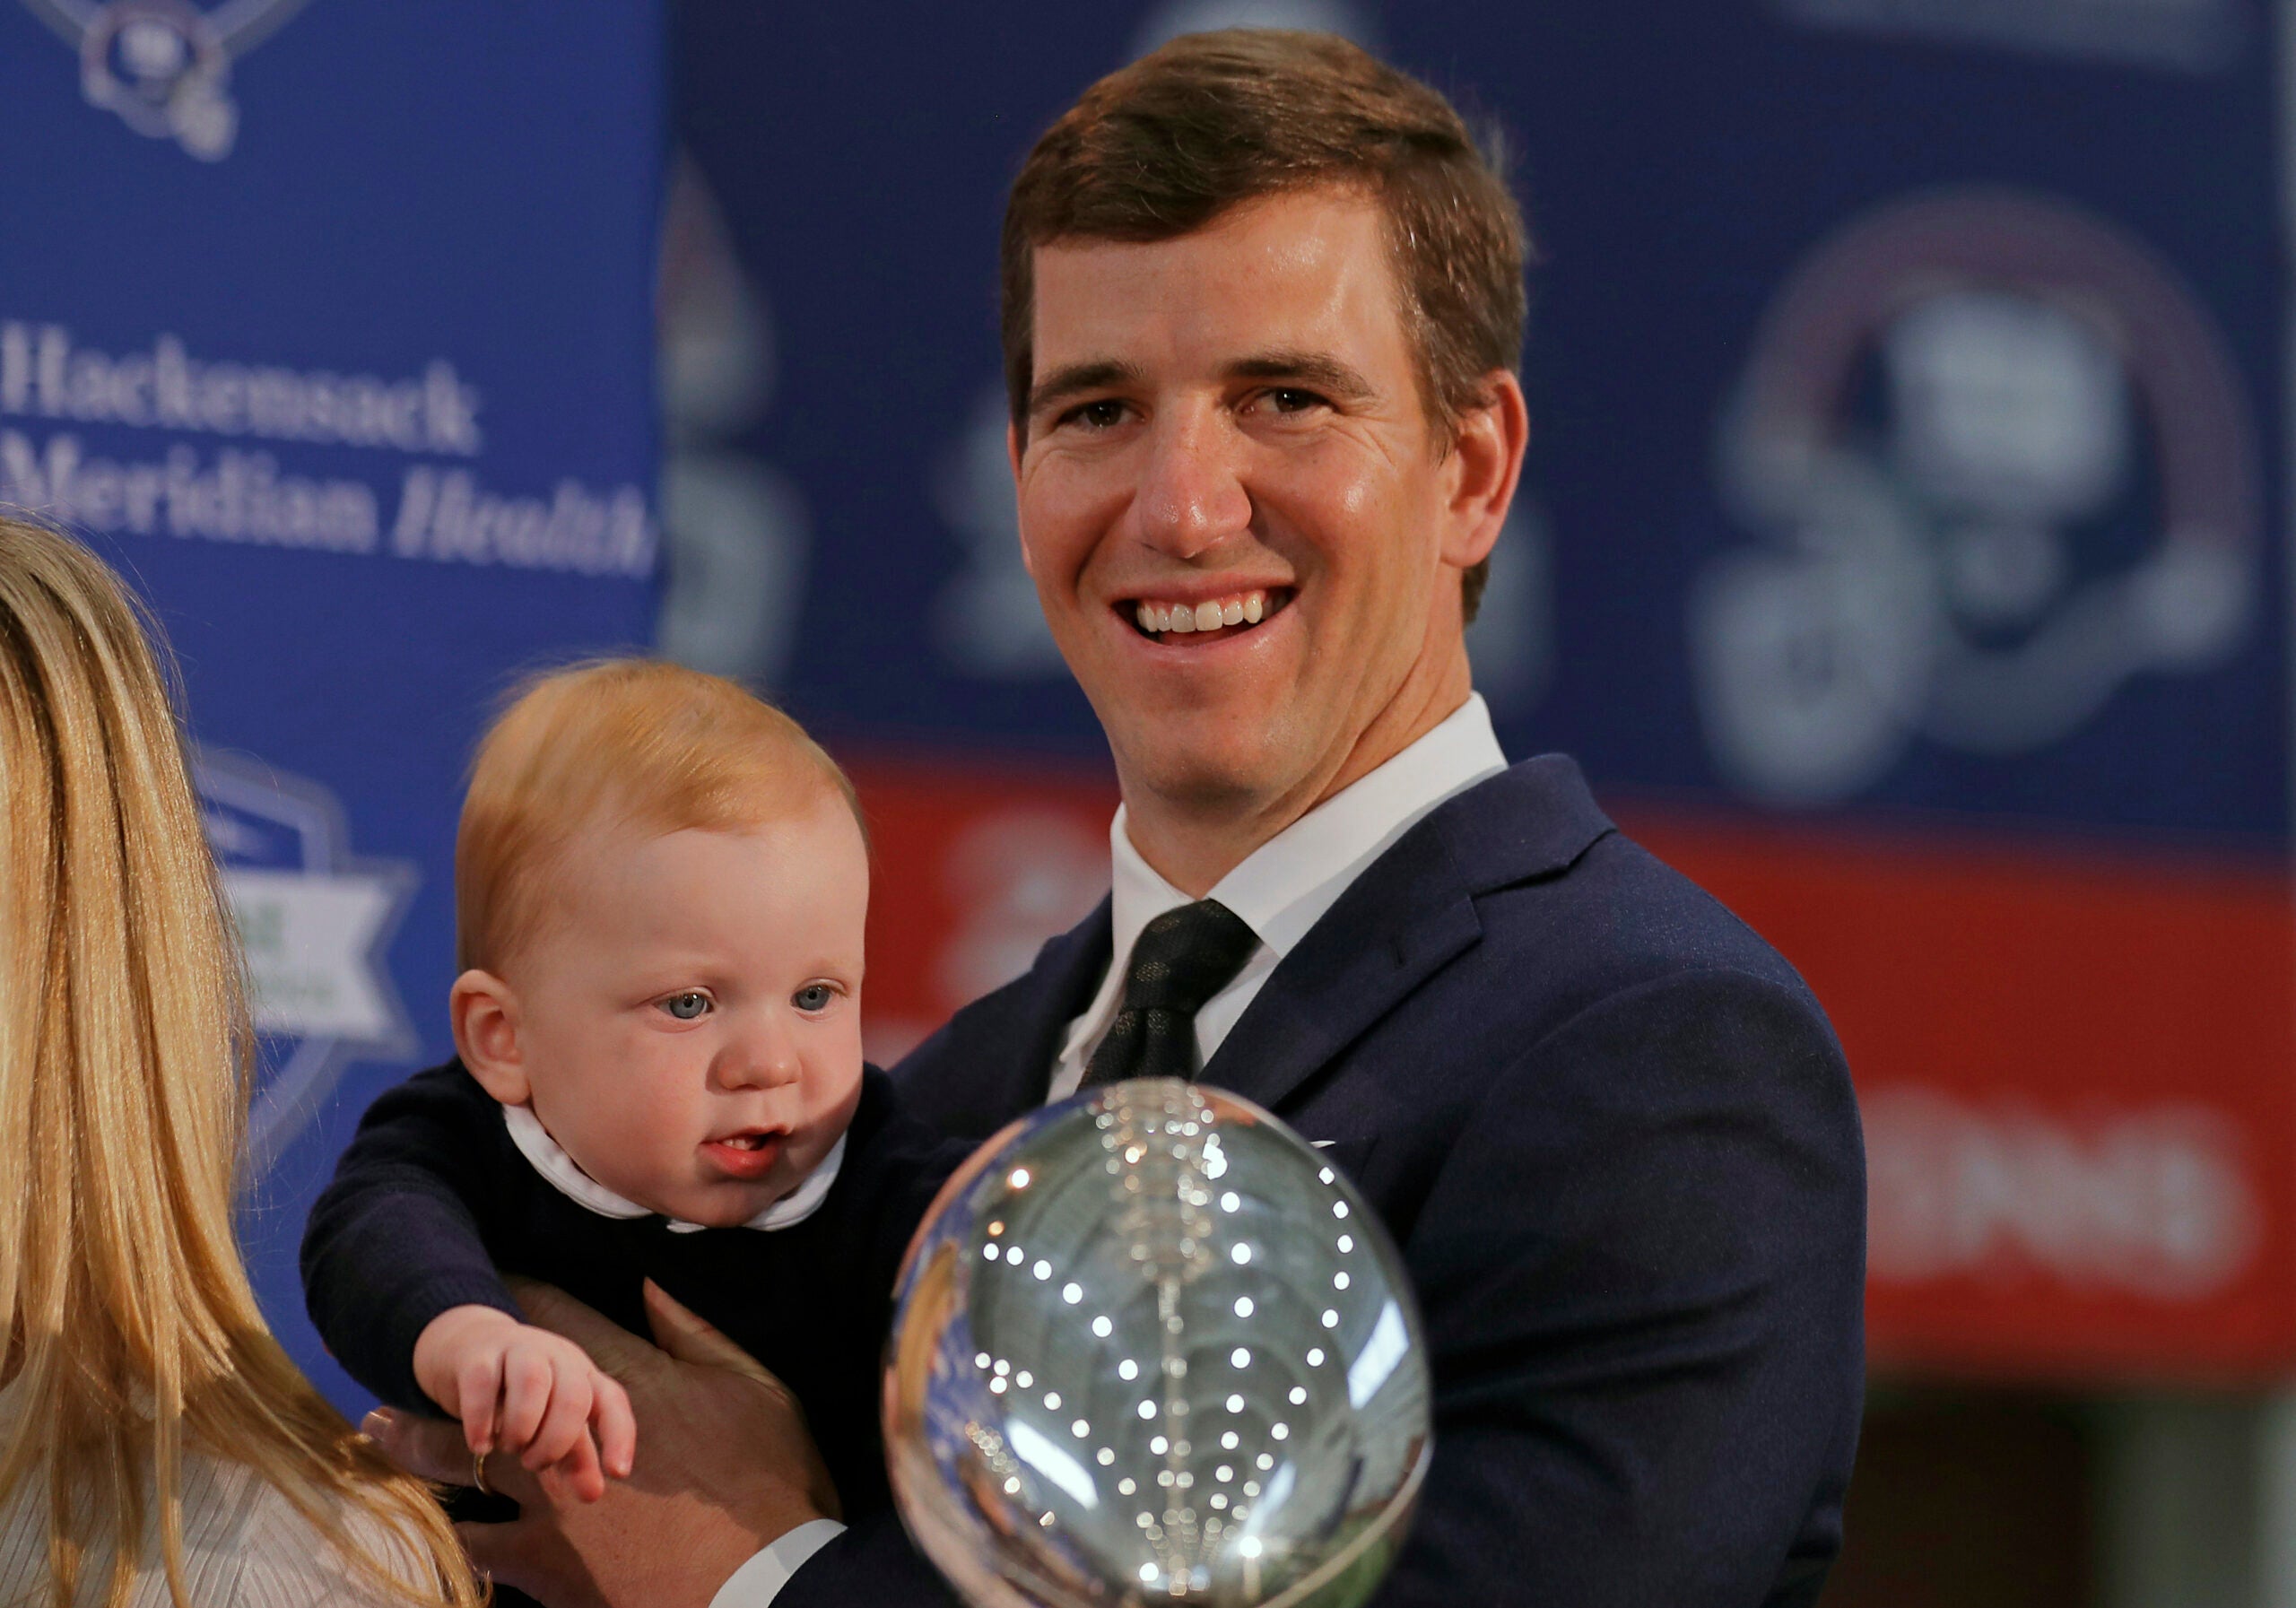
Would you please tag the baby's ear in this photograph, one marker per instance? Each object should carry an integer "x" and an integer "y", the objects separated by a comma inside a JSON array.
[{"x": 486, "y": 1017}]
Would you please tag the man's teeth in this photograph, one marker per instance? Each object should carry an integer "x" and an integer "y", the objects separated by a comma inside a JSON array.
[{"x": 1245, "y": 608}]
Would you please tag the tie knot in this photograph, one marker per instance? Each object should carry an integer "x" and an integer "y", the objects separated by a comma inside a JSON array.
[
  {"x": 1180, "y": 960},
  {"x": 1185, "y": 956}
]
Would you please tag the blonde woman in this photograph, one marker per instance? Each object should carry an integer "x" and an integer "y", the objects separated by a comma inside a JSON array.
[{"x": 157, "y": 1447}]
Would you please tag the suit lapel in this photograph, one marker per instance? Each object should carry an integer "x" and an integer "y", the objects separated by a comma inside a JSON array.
[
  {"x": 1055, "y": 992},
  {"x": 1404, "y": 917},
  {"x": 1410, "y": 914}
]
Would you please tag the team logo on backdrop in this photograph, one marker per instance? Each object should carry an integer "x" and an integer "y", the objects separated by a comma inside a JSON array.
[
  {"x": 1997, "y": 463},
  {"x": 165, "y": 66},
  {"x": 738, "y": 532},
  {"x": 986, "y": 621},
  {"x": 314, "y": 921}
]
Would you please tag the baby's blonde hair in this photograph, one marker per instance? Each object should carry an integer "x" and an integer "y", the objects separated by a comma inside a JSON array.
[
  {"x": 130, "y": 1331},
  {"x": 640, "y": 740}
]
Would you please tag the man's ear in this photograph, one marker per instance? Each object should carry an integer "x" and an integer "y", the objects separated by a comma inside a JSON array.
[
  {"x": 1486, "y": 463},
  {"x": 485, "y": 1013},
  {"x": 1012, "y": 456}
]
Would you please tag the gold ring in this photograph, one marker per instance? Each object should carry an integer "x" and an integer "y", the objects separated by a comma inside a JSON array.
[{"x": 478, "y": 1474}]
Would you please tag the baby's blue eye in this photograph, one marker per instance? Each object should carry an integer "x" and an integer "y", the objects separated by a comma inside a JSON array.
[
  {"x": 687, "y": 1006},
  {"x": 813, "y": 996}
]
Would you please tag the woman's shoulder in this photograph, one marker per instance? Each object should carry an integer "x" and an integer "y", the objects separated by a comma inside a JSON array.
[
  {"x": 288, "y": 1559},
  {"x": 245, "y": 1545}
]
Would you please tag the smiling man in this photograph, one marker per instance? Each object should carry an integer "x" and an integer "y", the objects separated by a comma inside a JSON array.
[
  {"x": 1249, "y": 528},
  {"x": 1263, "y": 312}
]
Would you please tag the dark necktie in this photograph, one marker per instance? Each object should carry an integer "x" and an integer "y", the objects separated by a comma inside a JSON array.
[{"x": 1181, "y": 960}]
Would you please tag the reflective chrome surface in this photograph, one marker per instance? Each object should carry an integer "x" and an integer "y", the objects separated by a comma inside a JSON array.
[{"x": 1151, "y": 1349}]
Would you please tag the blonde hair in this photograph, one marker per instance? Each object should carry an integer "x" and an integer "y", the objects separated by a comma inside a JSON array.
[
  {"x": 125, "y": 1064},
  {"x": 643, "y": 740}
]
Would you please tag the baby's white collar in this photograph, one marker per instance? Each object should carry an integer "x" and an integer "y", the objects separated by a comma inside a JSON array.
[{"x": 561, "y": 1172}]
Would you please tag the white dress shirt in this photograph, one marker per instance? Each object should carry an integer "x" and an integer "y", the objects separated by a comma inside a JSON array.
[{"x": 1281, "y": 889}]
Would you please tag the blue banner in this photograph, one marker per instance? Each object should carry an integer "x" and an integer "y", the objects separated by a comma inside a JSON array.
[
  {"x": 1903, "y": 374},
  {"x": 1905, "y": 379},
  {"x": 332, "y": 326}
]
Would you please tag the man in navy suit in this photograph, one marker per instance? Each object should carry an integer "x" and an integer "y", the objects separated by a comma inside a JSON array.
[{"x": 1264, "y": 306}]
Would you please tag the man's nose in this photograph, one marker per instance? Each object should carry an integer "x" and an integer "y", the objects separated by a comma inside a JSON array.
[
  {"x": 762, "y": 1056},
  {"x": 1191, "y": 495}
]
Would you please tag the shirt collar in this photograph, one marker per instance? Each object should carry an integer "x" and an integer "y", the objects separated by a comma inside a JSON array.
[
  {"x": 564, "y": 1174},
  {"x": 1283, "y": 887}
]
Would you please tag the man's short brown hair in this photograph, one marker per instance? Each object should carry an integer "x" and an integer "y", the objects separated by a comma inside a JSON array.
[{"x": 1160, "y": 148}]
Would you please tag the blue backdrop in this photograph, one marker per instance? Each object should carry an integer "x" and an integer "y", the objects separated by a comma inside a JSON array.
[
  {"x": 1991, "y": 586},
  {"x": 1904, "y": 377},
  {"x": 337, "y": 339}
]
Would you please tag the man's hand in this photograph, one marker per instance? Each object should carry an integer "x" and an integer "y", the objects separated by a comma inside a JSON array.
[
  {"x": 523, "y": 1390},
  {"x": 724, "y": 1467}
]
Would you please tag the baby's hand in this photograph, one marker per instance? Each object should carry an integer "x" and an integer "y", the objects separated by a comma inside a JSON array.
[{"x": 522, "y": 1389}]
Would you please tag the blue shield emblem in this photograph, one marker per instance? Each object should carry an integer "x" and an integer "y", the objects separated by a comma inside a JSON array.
[{"x": 315, "y": 923}]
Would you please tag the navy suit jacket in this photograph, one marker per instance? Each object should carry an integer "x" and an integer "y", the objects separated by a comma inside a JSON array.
[{"x": 1615, "y": 1140}]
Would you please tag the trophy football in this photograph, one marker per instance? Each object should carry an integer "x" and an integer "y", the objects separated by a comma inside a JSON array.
[{"x": 1152, "y": 1348}]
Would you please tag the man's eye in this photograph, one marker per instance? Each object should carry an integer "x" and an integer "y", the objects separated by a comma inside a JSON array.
[
  {"x": 1290, "y": 399},
  {"x": 687, "y": 1006},
  {"x": 1104, "y": 414},
  {"x": 813, "y": 996}
]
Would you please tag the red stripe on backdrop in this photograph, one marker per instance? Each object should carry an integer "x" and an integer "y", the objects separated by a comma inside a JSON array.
[
  {"x": 972, "y": 868},
  {"x": 2076, "y": 1078},
  {"x": 2075, "y": 1067}
]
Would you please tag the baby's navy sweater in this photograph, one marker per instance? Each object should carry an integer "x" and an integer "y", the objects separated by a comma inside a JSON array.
[{"x": 432, "y": 1204}]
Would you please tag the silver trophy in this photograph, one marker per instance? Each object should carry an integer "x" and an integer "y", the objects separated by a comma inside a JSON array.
[{"x": 1152, "y": 1348}]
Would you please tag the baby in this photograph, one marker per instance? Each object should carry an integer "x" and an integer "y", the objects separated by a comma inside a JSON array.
[{"x": 660, "y": 888}]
